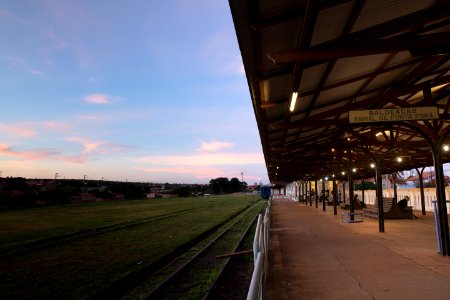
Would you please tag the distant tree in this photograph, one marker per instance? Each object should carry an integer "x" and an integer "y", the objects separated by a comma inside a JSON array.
[
  {"x": 16, "y": 184},
  {"x": 199, "y": 188},
  {"x": 16, "y": 193},
  {"x": 129, "y": 190},
  {"x": 183, "y": 191},
  {"x": 235, "y": 185},
  {"x": 219, "y": 185}
]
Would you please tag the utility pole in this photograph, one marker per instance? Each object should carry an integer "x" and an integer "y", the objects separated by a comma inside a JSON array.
[
  {"x": 242, "y": 176},
  {"x": 56, "y": 175}
]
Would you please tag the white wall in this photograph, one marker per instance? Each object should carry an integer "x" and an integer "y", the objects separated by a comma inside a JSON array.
[{"x": 413, "y": 194}]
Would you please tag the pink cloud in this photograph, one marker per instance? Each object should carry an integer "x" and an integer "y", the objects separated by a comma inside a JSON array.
[
  {"x": 220, "y": 53},
  {"x": 214, "y": 146},
  {"x": 80, "y": 159},
  {"x": 23, "y": 65},
  {"x": 95, "y": 147},
  {"x": 200, "y": 173},
  {"x": 88, "y": 146},
  {"x": 59, "y": 126},
  {"x": 93, "y": 118},
  {"x": 204, "y": 159},
  {"x": 57, "y": 42},
  {"x": 6, "y": 150},
  {"x": 98, "y": 99},
  {"x": 203, "y": 165},
  {"x": 18, "y": 130}
]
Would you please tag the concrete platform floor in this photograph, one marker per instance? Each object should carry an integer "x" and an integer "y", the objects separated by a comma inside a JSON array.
[{"x": 314, "y": 255}]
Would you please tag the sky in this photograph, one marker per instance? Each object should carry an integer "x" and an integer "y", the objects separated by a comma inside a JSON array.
[{"x": 125, "y": 90}]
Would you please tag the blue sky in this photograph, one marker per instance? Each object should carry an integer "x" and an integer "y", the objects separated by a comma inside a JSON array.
[{"x": 131, "y": 90}]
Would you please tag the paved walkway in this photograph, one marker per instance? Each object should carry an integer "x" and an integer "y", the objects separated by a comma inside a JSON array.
[{"x": 314, "y": 255}]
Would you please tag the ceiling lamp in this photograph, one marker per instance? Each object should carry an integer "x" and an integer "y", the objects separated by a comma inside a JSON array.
[{"x": 293, "y": 100}]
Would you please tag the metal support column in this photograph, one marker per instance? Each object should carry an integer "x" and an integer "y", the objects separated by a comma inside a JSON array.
[
  {"x": 324, "y": 204},
  {"x": 334, "y": 197},
  {"x": 350, "y": 192},
  {"x": 362, "y": 191},
  {"x": 310, "y": 193},
  {"x": 422, "y": 192},
  {"x": 441, "y": 203},
  {"x": 379, "y": 196},
  {"x": 316, "y": 186}
]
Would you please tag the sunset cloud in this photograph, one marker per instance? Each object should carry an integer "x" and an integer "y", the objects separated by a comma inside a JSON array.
[
  {"x": 93, "y": 118},
  {"x": 6, "y": 150},
  {"x": 205, "y": 159},
  {"x": 79, "y": 159},
  {"x": 200, "y": 173},
  {"x": 57, "y": 126},
  {"x": 22, "y": 65},
  {"x": 99, "y": 99},
  {"x": 21, "y": 130},
  {"x": 78, "y": 104},
  {"x": 220, "y": 52},
  {"x": 183, "y": 170},
  {"x": 96, "y": 147},
  {"x": 202, "y": 165},
  {"x": 88, "y": 146},
  {"x": 214, "y": 146}
]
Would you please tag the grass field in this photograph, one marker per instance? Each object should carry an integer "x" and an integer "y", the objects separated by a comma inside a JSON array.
[{"x": 81, "y": 266}]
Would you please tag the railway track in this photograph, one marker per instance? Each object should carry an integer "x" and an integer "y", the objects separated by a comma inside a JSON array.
[
  {"x": 85, "y": 233},
  {"x": 192, "y": 273},
  {"x": 151, "y": 277}
]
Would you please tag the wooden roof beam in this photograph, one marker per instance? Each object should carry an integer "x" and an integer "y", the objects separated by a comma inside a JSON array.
[{"x": 430, "y": 44}]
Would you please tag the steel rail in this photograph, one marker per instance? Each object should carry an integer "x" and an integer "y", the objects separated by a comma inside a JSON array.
[
  {"x": 183, "y": 268},
  {"x": 83, "y": 233}
]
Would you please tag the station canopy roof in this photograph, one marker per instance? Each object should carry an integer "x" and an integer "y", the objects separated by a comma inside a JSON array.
[{"x": 387, "y": 59}]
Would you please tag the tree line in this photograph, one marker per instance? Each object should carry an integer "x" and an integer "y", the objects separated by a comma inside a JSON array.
[{"x": 222, "y": 185}]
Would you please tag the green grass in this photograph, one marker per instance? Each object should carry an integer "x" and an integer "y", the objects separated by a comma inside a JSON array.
[
  {"x": 79, "y": 268},
  {"x": 202, "y": 275},
  {"x": 204, "y": 270}
]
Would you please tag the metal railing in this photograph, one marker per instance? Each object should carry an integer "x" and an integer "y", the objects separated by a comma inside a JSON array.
[{"x": 260, "y": 254}]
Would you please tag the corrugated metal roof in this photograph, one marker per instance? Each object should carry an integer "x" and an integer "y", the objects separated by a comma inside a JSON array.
[
  {"x": 380, "y": 11},
  {"x": 342, "y": 55}
]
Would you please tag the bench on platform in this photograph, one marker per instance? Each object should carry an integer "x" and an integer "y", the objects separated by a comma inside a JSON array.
[
  {"x": 390, "y": 210},
  {"x": 355, "y": 217},
  {"x": 356, "y": 205}
]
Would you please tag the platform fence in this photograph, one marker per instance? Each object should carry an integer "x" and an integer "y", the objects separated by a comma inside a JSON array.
[{"x": 260, "y": 255}]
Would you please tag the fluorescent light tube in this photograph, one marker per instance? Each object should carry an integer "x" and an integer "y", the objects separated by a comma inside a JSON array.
[{"x": 293, "y": 100}]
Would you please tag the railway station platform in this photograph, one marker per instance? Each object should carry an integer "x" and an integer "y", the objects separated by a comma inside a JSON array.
[{"x": 314, "y": 255}]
